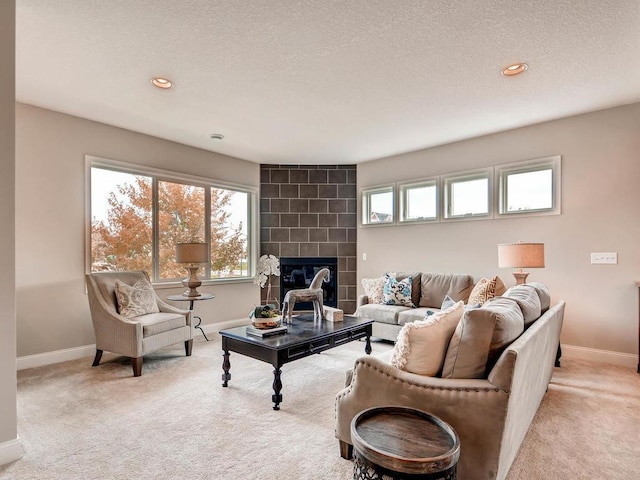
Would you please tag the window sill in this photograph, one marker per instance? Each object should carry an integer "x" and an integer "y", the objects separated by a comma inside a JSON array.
[{"x": 220, "y": 281}]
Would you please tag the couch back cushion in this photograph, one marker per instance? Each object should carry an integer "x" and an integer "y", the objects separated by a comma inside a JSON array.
[
  {"x": 543, "y": 294},
  {"x": 422, "y": 344},
  {"x": 480, "y": 338},
  {"x": 528, "y": 300},
  {"x": 435, "y": 286}
]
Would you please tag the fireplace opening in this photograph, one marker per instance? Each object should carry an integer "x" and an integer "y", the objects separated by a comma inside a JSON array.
[{"x": 297, "y": 272}]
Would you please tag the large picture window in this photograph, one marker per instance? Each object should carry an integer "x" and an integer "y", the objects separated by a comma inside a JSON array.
[{"x": 137, "y": 217}]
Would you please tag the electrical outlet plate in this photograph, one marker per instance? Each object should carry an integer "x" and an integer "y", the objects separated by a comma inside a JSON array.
[{"x": 607, "y": 258}]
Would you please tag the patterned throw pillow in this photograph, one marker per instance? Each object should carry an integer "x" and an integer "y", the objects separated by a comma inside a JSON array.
[
  {"x": 397, "y": 292},
  {"x": 422, "y": 345},
  {"x": 448, "y": 302},
  {"x": 486, "y": 289},
  {"x": 373, "y": 288},
  {"x": 136, "y": 300}
]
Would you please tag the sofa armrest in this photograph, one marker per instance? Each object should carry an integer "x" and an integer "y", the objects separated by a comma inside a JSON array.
[
  {"x": 362, "y": 300},
  {"x": 475, "y": 408}
]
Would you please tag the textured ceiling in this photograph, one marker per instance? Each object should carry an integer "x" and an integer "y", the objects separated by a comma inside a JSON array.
[{"x": 326, "y": 81}]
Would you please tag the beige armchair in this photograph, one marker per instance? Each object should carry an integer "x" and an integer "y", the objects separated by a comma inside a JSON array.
[{"x": 133, "y": 337}]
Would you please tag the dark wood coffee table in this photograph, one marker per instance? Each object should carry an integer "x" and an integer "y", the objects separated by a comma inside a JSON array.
[{"x": 304, "y": 337}]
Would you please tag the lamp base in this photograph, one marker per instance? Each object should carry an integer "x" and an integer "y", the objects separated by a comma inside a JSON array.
[
  {"x": 521, "y": 277},
  {"x": 192, "y": 282}
]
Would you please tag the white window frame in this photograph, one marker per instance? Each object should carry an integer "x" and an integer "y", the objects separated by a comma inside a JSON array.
[
  {"x": 448, "y": 180},
  {"x": 365, "y": 199},
  {"x": 403, "y": 202},
  {"x": 170, "y": 176},
  {"x": 502, "y": 173}
]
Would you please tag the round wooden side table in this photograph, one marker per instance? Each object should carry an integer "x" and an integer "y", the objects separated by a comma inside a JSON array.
[
  {"x": 403, "y": 443},
  {"x": 183, "y": 298}
]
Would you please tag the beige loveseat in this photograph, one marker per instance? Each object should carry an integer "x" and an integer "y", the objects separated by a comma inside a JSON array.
[
  {"x": 491, "y": 414},
  {"x": 428, "y": 290}
]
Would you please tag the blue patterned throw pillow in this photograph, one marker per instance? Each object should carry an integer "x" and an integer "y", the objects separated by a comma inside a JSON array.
[{"x": 397, "y": 292}]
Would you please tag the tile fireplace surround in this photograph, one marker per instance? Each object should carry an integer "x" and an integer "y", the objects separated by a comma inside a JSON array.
[{"x": 310, "y": 211}]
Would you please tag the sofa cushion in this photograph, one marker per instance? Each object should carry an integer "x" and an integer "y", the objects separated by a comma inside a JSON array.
[
  {"x": 421, "y": 345},
  {"x": 528, "y": 300},
  {"x": 480, "y": 337},
  {"x": 435, "y": 286},
  {"x": 397, "y": 292},
  {"x": 373, "y": 288},
  {"x": 137, "y": 299},
  {"x": 543, "y": 293},
  {"x": 486, "y": 289},
  {"x": 415, "y": 314},
  {"x": 381, "y": 313},
  {"x": 155, "y": 323}
]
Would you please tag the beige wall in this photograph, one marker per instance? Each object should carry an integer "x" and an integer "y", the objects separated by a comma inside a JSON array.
[
  {"x": 600, "y": 201},
  {"x": 52, "y": 307},
  {"x": 9, "y": 448}
]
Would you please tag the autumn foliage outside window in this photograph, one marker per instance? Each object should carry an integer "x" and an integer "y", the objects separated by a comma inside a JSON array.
[{"x": 122, "y": 225}]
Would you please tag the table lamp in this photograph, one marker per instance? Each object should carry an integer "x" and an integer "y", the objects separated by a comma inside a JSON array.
[
  {"x": 194, "y": 255},
  {"x": 521, "y": 255}
]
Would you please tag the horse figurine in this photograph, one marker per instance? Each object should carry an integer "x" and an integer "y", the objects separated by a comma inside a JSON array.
[{"x": 312, "y": 294}]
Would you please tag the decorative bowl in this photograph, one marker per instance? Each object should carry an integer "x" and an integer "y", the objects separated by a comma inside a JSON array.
[{"x": 266, "y": 323}]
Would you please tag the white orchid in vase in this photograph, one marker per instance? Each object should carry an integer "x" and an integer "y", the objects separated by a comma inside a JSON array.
[{"x": 267, "y": 265}]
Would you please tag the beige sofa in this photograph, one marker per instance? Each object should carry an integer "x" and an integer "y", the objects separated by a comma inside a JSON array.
[
  {"x": 491, "y": 415},
  {"x": 428, "y": 290}
]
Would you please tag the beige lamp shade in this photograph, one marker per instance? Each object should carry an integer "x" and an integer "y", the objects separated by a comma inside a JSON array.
[
  {"x": 192, "y": 252},
  {"x": 521, "y": 255}
]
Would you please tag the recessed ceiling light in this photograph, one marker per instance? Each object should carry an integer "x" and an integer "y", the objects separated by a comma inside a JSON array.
[
  {"x": 216, "y": 136},
  {"x": 162, "y": 82},
  {"x": 514, "y": 69}
]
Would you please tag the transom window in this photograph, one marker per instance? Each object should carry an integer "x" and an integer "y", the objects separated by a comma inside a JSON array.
[
  {"x": 419, "y": 201},
  {"x": 137, "y": 217},
  {"x": 378, "y": 205},
  {"x": 529, "y": 187},
  {"x": 467, "y": 195}
]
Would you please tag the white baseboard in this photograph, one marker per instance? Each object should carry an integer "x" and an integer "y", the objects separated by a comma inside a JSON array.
[
  {"x": 601, "y": 356},
  {"x": 11, "y": 451},
  {"x": 49, "y": 358},
  {"x": 213, "y": 328}
]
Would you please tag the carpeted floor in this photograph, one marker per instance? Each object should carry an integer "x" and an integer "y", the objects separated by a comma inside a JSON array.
[{"x": 176, "y": 421}]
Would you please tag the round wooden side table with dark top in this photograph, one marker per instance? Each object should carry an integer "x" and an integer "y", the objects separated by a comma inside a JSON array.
[{"x": 402, "y": 443}]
